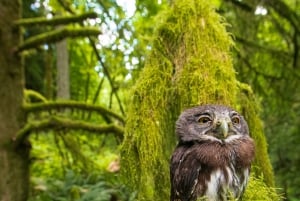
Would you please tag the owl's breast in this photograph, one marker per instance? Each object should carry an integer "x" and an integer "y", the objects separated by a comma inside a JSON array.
[
  {"x": 226, "y": 182},
  {"x": 210, "y": 169},
  {"x": 213, "y": 154},
  {"x": 239, "y": 152}
]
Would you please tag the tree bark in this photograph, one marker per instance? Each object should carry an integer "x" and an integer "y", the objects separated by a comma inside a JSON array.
[
  {"x": 48, "y": 75},
  {"x": 14, "y": 165},
  {"x": 62, "y": 63}
]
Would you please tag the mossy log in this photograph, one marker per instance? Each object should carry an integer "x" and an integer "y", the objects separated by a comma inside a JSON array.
[{"x": 190, "y": 64}]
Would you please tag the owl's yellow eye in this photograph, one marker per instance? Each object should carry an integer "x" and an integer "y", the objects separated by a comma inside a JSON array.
[
  {"x": 204, "y": 119},
  {"x": 235, "y": 120}
]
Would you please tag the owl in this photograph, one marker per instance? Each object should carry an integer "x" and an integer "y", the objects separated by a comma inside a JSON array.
[{"x": 213, "y": 157}]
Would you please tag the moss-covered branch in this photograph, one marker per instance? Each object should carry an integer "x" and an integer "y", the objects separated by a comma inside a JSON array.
[
  {"x": 31, "y": 94},
  {"x": 57, "y": 35},
  {"x": 56, "y": 123},
  {"x": 55, "y": 20},
  {"x": 38, "y": 107}
]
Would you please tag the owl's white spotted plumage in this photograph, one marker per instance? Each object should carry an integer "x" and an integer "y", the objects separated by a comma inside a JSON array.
[{"x": 213, "y": 157}]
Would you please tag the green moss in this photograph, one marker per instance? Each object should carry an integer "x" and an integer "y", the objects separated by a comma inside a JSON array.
[
  {"x": 33, "y": 96},
  {"x": 57, "y": 35},
  {"x": 251, "y": 110},
  {"x": 258, "y": 190},
  {"x": 190, "y": 64},
  {"x": 57, "y": 20}
]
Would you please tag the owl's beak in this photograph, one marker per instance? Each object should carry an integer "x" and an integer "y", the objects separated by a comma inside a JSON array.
[{"x": 223, "y": 126}]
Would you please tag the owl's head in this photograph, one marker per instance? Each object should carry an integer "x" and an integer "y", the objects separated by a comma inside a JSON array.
[{"x": 211, "y": 122}]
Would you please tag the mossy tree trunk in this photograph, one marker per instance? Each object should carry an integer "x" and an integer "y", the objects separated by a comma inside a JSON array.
[
  {"x": 190, "y": 64},
  {"x": 14, "y": 171}
]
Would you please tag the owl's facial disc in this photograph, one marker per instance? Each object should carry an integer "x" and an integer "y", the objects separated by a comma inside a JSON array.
[
  {"x": 219, "y": 124},
  {"x": 226, "y": 124},
  {"x": 212, "y": 123}
]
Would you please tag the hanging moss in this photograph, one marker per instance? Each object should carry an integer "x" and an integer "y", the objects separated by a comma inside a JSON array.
[{"x": 190, "y": 64}]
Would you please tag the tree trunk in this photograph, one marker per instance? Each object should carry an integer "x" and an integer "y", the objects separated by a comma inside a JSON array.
[
  {"x": 14, "y": 165},
  {"x": 48, "y": 75},
  {"x": 62, "y": 63},
  {"x": 189, "y": 65}
]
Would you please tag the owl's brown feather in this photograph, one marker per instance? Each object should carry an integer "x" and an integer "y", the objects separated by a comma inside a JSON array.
[{"x": 208, "y": 167}]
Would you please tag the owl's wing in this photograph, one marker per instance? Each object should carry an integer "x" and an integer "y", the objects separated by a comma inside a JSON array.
[{"x": 184, "y": 172}]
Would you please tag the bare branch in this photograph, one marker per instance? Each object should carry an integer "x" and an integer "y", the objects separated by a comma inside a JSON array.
[
  {"x": 286, "y": 12},
  {"x": 107, "y": 74},
  {"x": 244, "y": 6},
  {"x": 261, "y": 47},
  {"x": 66, "y": 6}
]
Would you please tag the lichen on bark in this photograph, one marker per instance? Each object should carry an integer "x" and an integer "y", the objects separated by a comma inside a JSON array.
[{"x": 190, "y": 64}]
